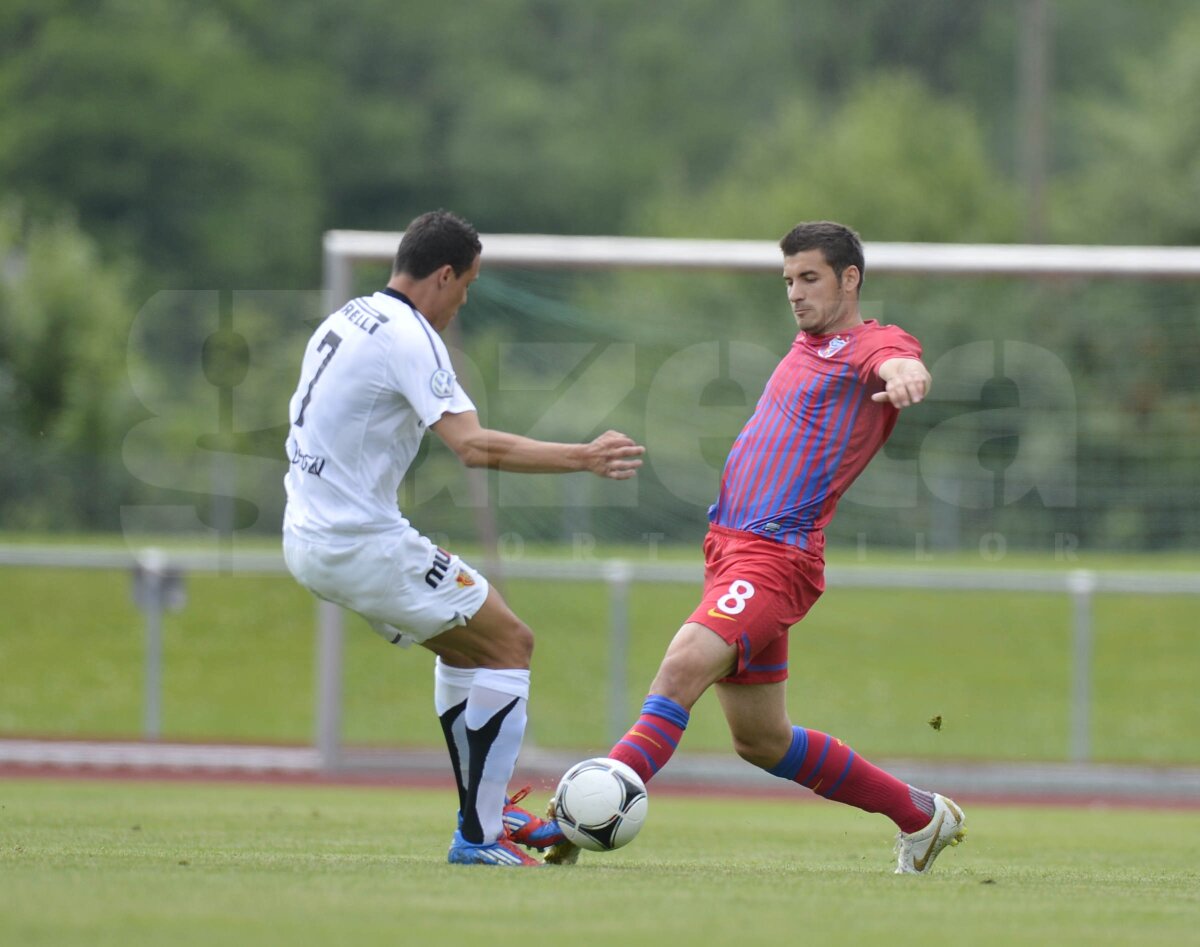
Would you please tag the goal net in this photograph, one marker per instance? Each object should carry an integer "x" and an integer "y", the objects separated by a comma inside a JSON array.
[{"x": 1064, "y": 415}]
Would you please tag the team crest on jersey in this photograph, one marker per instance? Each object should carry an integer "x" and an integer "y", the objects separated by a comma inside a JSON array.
[
  {"x": 464, "y": 581},
  {"x": 441, "y": 383},
  {"x": 833, "y": 346}
]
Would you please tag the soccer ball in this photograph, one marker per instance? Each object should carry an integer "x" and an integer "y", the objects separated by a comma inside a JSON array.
[{"x": 600, "y": 804}]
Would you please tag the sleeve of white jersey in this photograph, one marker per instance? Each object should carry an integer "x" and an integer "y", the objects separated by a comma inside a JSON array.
[{"x": 425, "y": 377}]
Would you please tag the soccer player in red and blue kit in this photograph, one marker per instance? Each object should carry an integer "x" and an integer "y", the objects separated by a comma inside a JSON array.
[{"x": 826, "y": 410}]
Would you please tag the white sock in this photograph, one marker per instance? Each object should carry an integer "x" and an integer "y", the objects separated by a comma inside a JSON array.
[
  {"x": 451, "y": 685},
  {"x": 451, "y": 688},
  {"x": 495, "y": 725}
]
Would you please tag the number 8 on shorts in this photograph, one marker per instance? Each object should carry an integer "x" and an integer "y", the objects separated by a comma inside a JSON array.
[{"x": 734, "y": 602}]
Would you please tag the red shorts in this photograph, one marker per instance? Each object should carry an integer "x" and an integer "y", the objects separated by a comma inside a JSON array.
[{"x": 754, "y": 591}]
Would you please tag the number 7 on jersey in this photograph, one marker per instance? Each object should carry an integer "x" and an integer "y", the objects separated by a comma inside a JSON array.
[{"x": 331, "y": 341}]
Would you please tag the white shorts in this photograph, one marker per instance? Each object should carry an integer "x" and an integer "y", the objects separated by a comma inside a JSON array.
[{"x": 407, "y": 588}]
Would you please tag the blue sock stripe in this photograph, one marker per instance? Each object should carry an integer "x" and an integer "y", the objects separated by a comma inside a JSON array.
[
  {"x": 669, "y": 710},
  {"x": 807, "y": 780},
  {"x": 789, "y": 766},
  {"x": 662, "y": 733},
  {"x": 649, "y": 758},
  {"x": 841, "y": 779}
]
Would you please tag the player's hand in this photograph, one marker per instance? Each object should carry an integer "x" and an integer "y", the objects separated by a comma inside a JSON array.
[
  {"x": 906, "y": 382},
  {"x": 613, "y": 455}
]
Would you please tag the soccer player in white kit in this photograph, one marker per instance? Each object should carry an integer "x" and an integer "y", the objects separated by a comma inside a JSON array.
[{"x": 375, "y": 376}]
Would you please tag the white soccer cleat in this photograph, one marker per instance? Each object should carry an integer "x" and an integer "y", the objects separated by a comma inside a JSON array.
[{"x": 916, "y": 852}]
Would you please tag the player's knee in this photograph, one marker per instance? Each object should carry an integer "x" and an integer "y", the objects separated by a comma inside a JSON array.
[
  {"x": 680, "y": 679},
  {"x": 514, "y": 644},
  {"x": 758, "y": 749},
  {"x": 695, "y": 659}
]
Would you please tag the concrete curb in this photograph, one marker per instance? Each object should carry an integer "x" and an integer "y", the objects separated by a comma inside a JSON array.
[{"x": 1015, "y": 781}]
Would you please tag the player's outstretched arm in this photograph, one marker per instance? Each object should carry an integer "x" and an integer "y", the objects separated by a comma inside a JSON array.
[
  {"x": 906, "y": 380},
  {"x": 612, "y": 454}
]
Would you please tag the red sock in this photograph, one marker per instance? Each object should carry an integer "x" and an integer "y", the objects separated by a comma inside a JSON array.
[
  {"x": 652, "y": 740},
  {"x": 831, "y": 769}
]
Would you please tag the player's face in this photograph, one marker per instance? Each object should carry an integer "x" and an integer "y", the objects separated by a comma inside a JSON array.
[
  {"x": 821, "y": 303},
  {"x": 452, "y": 295}
]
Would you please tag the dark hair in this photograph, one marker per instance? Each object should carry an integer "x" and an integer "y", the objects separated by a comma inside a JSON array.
[
  {"x": 840, "y": 245},
  {"x": 433, "y": 240}
]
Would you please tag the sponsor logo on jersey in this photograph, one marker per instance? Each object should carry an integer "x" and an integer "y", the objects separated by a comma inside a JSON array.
[
  {"x": 437, "y": 571},
  {"x": 441, "y": 383},
  {"x": 464, "y": 581},
  {"x": 833, "y": 346},
  {"x": 309, "y": 463}
]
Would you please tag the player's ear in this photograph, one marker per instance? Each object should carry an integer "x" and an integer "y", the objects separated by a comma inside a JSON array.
[
  {"x": 851, "y": 277},
  {"x": 445, "y": 276}
]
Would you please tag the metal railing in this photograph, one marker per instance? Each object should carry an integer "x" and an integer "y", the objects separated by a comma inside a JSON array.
[{"x": 158, "y": 575}]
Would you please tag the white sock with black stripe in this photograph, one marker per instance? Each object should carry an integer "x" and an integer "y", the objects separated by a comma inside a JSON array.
[
  {"x": 451, "y": 688},
  {"x": 495, "y": 726}
]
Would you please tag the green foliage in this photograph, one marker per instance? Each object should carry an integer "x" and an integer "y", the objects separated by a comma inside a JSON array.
[
  {"x": 169, "y": 137},
  {"x": 1140, "y": 182},
  {"x": 64, "y": 320},
  {"x": 895, "y": 161},
  {"x": 215, "y": 142},
  {"x": 206, "y": 147}
]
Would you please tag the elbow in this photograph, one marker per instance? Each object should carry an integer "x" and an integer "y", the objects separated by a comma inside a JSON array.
[{"x": 474, "y": 456}]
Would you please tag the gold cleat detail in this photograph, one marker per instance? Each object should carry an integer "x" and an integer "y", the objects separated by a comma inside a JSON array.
[{"x": 565, "y": 852}]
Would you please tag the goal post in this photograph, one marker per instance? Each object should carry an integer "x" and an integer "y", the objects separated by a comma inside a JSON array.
[{"x": 346, "y": 249}]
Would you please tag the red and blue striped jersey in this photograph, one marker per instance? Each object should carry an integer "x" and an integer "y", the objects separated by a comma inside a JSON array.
[{"x": 814, "y": 430}]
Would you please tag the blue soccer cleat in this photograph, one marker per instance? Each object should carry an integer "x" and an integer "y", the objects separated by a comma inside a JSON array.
[{"x": 501, "y": 853}]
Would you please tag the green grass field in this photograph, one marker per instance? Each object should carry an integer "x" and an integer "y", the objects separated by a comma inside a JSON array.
[
  {"x": 129, "y": 864},
  {"x": 238, "y": 665}
]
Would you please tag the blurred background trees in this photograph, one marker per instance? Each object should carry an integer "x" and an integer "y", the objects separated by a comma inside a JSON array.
[{"x": 161, "y": 145}]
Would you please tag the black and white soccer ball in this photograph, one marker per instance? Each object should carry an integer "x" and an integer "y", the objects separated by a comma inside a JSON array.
[{"x": 600, "y": 804}]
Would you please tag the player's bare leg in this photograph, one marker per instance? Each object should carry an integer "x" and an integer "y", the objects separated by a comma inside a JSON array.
[
  {"x": 758, "y": 721},
  {"x": 763, "y": 735},
  {"x": 696, "y": 658},
  {"x": 493, "y": 718},
  {"x": 493, "y": 638}
]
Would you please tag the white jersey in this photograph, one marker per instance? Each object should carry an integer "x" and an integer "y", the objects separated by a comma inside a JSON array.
[{"x": 375, "y": 376}]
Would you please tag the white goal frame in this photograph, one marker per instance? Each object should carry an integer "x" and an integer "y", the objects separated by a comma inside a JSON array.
[{"x": 343, "y": 249}]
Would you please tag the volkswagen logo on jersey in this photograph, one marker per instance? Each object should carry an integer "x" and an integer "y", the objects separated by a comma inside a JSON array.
[
  {"x": 442, "y": 383},
  {"x": 835, "y": 345}
]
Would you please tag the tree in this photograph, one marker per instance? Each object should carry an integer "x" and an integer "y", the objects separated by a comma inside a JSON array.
[
  {"x": 168, "y": 138},
  {"x": 895, "y": 162},
  {"x": 64, "y": 403},
  {"x": 1141, "y": 180}
]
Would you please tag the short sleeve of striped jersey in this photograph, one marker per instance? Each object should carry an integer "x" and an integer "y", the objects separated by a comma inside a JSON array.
[{"x": 884, "y": 343}]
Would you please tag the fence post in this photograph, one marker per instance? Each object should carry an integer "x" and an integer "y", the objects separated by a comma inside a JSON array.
[
  {"x": 329, "y": 685},
  {"x": 1081, "y": 583},
  {"x": 152, "y": 579},
  {"x": 156, "y": 588},
  {"x": 619, "y": 575}
]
